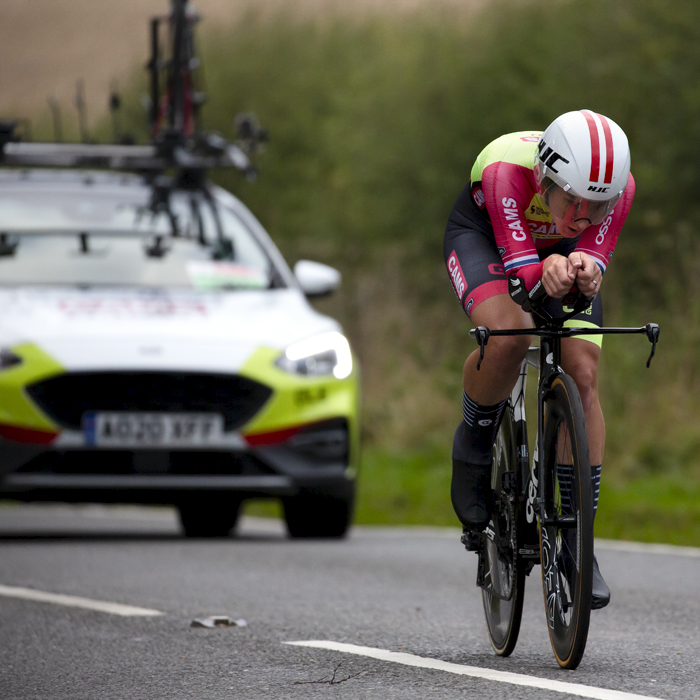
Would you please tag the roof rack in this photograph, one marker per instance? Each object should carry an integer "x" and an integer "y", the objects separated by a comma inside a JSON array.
[{"x": 201, "y": 153}]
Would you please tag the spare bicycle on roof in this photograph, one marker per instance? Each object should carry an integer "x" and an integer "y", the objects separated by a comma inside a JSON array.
[{"x": 180, "y": 152}]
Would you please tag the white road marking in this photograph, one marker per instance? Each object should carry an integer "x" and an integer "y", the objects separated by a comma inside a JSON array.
[
  {"x": 673, "y": 550},
  {"x": 584, "y": 691},
  {"x": 77, "y": 602}
]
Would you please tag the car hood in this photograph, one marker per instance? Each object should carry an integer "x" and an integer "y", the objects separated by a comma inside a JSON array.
[{"x": 90, "y": 329}]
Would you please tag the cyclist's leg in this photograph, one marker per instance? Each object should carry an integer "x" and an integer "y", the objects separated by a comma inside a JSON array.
[
  {"x": 580, "y": 361},
  {"x": 580, "y": 358},
  {"x": 478, "y": 276},
  {"x": 495, "y": 379}
]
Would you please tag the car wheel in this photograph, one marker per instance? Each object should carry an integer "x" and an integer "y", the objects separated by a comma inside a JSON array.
[
  {"x": 208, "y": 517},
  {"x": 317, "y": 516}
]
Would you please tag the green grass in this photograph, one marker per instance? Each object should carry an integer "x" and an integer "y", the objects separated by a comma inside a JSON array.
[
  {"x": 395, "y": 488},
  {"x": 653, "y": 509},
  {"x": 405, "y": 488}
]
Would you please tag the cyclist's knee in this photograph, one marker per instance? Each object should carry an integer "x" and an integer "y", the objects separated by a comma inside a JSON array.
[
  {"x": 585, "y": 374},
  {"x": 508, "y": 351}
]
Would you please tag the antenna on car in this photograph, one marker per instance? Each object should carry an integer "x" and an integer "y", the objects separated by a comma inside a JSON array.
[
  {"x": 115, "y": 105},
  {"x": 81, "y": 106},
  {"x": 56, "y": 118}
]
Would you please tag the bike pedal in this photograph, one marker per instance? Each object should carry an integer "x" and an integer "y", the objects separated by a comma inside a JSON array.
[{"x": 472, "y": 541}]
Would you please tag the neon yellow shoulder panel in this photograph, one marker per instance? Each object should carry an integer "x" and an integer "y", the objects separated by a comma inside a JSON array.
[{"x": 517, "y": 148}]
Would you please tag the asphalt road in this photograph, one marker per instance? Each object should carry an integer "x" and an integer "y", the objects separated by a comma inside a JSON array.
[{"x": 402, "y": 590}]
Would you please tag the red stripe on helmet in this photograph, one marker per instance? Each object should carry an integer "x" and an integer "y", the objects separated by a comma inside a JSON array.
[
  {"x": 595, "y": 147},
  {"x": 609, "y": 151}
]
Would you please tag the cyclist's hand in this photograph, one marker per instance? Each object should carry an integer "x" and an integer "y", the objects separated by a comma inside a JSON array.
[
  {"x": 558, "y": 276},
  {"x": 588, "y": 274}
]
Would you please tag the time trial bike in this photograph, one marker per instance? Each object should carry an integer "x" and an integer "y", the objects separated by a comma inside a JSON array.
[{"x": 542, "y": 512}]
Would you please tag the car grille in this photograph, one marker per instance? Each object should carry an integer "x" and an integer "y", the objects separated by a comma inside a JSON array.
[{"x": 66, "y": 397}]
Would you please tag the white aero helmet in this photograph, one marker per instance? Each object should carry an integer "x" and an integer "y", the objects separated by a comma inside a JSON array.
[{"x": 588, "y": 157}]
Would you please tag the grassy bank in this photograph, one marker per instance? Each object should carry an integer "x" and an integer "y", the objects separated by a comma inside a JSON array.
[{"x": 413, "y": 488}]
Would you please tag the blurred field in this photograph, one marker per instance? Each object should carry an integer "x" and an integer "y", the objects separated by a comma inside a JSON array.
[{"x": 46, "y": 46}]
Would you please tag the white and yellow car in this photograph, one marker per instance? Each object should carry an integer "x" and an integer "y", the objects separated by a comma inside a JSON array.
[{"x": 156, "y": 348}]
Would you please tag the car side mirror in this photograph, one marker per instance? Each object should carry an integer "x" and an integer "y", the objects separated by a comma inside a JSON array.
[{"x": 316, "y": 279}]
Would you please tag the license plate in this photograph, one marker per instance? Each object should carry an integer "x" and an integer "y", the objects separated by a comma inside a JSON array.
[{"x": 124, "y": 429}]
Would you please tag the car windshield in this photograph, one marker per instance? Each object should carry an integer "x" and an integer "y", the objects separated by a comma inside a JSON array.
[{"x": 117, "y": 234}]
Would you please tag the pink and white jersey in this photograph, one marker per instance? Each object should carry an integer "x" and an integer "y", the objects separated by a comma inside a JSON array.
[{"x": 503, "y": 188}]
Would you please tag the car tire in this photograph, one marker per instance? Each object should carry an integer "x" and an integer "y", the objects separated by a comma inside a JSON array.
[
  {"x": 208, "y": 517},
  {"x": 317, "y": 516}
]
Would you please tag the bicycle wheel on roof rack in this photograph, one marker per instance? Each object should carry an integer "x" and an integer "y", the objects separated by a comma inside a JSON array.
[
  {"x": 566, "y": 531},
  {"x": 503, "y": 586}
]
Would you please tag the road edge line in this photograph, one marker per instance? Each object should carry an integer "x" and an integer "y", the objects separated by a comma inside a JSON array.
[{"x": 78, "y": 602}]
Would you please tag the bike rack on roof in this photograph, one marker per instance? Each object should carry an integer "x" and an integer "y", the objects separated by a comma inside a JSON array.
[
  {"x": 180, "y": 153},
  {"x": 176, "y": 142},
  {"x": 194, "y": 153}
]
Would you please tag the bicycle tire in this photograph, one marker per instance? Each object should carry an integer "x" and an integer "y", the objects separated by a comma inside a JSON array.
[
  {"x": 503, "y": 612},
  {"x": 566, "y": 546}
]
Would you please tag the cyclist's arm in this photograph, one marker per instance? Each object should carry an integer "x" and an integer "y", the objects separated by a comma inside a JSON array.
[
  {"x": 508, "y": 190},
  {"x": 599, "y": 241}
]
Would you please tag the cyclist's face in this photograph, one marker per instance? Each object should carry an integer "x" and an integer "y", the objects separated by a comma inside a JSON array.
[{"x": 569, "y": 213}]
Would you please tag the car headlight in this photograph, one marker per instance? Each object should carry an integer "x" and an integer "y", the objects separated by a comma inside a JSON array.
[
  {"x": 328, "y": 353},
  {"x": 8, "y": 359}
]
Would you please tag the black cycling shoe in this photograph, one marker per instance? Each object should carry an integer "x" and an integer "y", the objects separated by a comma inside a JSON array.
[
  {"x": 601, "y": 592},
  {"x": 471, "y": 494},
  {"x": 472, "y": 539}
]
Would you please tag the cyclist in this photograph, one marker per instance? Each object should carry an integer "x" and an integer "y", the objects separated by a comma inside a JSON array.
[{"x": 547, "y": 207}]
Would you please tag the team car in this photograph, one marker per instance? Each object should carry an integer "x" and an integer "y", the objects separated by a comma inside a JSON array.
[
  {"x": 167, "y": 356},
  {"x": 154, "y": 345}
]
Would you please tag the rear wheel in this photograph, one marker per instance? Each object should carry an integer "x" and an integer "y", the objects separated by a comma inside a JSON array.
[
  {"x": 310, "y": 515},
  {"x": 202, "y": 516},
  {"x": 566, "y": 533},
  {"x": 504, "y": 572}
]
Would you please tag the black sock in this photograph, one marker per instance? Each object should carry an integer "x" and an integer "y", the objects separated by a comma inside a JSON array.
[
  {"x": 565, "y": 474},
  {"x": 473, "y": 441},
  {"x": 595, "y": 482}
]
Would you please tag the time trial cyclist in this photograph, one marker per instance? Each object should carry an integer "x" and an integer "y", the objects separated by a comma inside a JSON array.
[{"x": 545, "y": 206}]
